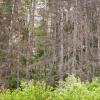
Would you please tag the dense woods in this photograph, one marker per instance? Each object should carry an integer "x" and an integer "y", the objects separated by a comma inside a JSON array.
[{"x": 49, "y": 40}]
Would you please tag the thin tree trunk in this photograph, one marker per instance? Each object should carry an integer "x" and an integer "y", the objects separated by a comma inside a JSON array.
[
  {"x": 98, "y": 32},
  {"x": 30, "y": 40},
  {"x": 61, "y": 44},
  {"x": 75, "y": 16}
]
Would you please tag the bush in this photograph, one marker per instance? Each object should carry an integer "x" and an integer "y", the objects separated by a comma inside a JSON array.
[
  {"x": 70, "y": 89},
  {"x": 32, "y": 91},
  {"x": 73, "y": 89}
]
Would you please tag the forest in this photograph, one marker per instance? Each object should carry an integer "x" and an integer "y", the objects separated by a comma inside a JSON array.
[{"x": 49, "y": 49}]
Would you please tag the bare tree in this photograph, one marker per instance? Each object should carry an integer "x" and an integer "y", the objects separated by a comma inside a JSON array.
[{"x": 30, "y": 39}]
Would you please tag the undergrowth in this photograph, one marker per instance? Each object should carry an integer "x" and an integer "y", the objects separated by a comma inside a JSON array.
[{"x": 70, "y": 89}]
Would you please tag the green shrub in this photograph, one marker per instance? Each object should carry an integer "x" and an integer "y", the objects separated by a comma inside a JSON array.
[
  {"x": 11, "y": 81},
  {"x": 70, "y": 89},
  {"x": 32, "y": 91},
  {"x": 73, "y": 89}
]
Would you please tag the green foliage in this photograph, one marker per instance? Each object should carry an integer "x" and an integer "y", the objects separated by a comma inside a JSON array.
[
  {"x": 2, "y": 56},
  {"x": 4, "y": 37},
  {"x": 23, "y": 60},
  {"x": 32, "y": 91},
  {"x": 24, "y": 30},
  {"x": 93, "y": 26},
  {"x": 69, "y": 26},
  {"x": 39, "y": 31},
  {"x": 11, "y": 81},
  {"x": 70, "y": 89},
  {"x": 26, "y": 2},
  {"x": 5, "y": 8},
  {"x": 73, "y": 89},
  {"x": 39, "y": 53}
]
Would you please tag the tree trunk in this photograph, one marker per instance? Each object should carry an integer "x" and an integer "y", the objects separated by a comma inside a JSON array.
[{"x": 30, "y": 41}]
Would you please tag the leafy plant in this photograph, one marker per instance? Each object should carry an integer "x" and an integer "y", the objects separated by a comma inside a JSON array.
[{"x": 70, "y": 89}]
